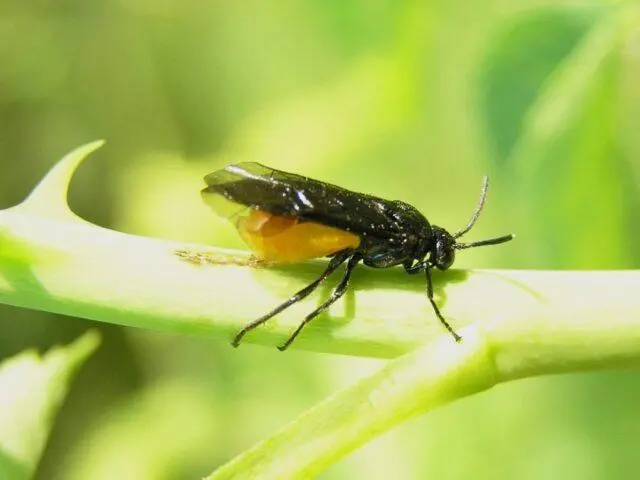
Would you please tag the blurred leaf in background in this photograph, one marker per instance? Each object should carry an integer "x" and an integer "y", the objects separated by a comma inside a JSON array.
[
  {"x": 555, "y": 123},
  {"x": 32, "y": 388},
  {"x": 410, "y": 100}
]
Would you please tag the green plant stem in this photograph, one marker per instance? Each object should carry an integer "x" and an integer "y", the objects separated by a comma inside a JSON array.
[
  {"x": 441, "y": 372},
  {"x": 51, "y": 260},
  {"x": 409, "y": 385},
  {"x": 438, "y": 373},
  {"x": 514, "y": 324},
  {"x": 86, "y": 271}
]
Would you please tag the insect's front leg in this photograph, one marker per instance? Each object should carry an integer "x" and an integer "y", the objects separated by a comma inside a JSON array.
[
  {"x": 413, "y": 268},
  {"x": 449, "y": 328}
]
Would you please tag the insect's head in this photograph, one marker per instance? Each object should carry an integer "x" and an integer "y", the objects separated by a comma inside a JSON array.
[{"x": 444, "y": 247}]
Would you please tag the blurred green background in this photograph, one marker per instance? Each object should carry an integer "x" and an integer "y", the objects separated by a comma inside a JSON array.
[{"x": 412, "y": 100}]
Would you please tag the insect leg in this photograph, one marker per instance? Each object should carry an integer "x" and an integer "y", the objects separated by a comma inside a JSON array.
[
  {"x": 335, "y": 262},
  {"x": 338, "y": 292},
  {"x": 416, "y": 268},
  {"x": 435, "y": 306}
]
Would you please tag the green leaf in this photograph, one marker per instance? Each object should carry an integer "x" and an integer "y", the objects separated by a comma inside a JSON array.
[
  {"x": 566, "y": 167},
  {"x": 32, "y": 388},
  {"x": 567, "y": 164},
  {"x": 520, "y": 60},
  {"x": 170, "y": 426}
]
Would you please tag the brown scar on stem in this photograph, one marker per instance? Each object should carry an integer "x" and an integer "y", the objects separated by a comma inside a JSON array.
[{"x": 204, "y": 257}]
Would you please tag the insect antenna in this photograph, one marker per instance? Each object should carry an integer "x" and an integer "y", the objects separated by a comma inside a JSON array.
[
  {"x": 476, "y": 213},
  {"x": 482, "y": 243}
]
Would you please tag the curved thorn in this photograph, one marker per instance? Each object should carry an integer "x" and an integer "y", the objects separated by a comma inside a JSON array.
[{"x": 49, "y": 197}]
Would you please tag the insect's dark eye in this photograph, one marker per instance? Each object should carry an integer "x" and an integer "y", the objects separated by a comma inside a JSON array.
[{"x": 445, "y": 254}]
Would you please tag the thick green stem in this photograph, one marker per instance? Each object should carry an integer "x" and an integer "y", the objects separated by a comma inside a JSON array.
[
  {"x": 542, "y": 341},
  {"x": 75, "y": 268},
  {"x": 514, "y": 324},
  {"x": 52, "y": 260},
  {"x": 412, "y": 384}
]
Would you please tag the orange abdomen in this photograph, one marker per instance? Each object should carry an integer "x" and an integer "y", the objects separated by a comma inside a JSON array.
[{"x": 288, "y": 240}]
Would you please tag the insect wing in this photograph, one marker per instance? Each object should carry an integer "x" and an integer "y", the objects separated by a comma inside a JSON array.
[
  {"x": 281, "y": 193},
  {"x": 224, "y": 207},
  {"x": 256, "y": 186}
]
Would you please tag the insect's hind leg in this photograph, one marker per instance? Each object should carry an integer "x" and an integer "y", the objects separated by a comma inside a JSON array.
[
  {"x": 338, "y": 292},
  {"x": 334, "y": 263}
]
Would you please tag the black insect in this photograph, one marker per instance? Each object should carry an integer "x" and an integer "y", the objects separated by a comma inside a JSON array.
[{"x": 288, "y": 218}]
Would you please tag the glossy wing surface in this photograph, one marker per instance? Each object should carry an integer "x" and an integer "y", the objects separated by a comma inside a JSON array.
[{"x": 256, "y": 186}]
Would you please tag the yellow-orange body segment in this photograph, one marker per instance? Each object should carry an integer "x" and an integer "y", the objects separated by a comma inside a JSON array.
[{"x": 287, "y": 240}]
